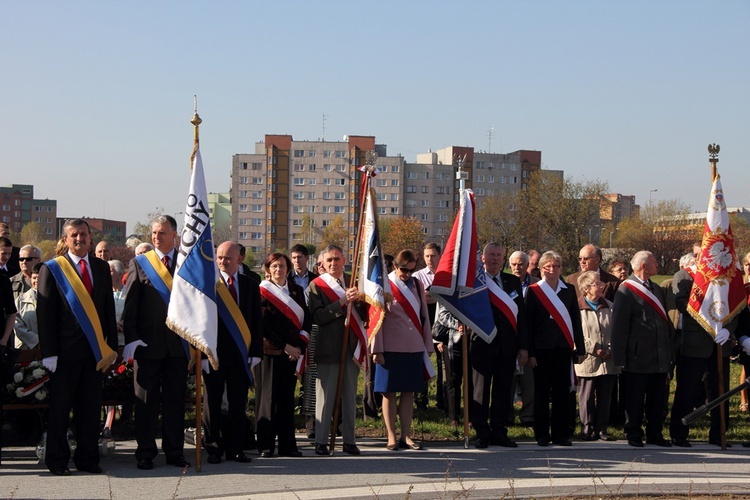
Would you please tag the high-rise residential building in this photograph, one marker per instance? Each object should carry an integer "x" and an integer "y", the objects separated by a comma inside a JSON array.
[
  {"x": 18, "y": 207},
  {"x": 220, "y": 211},
  {"x": 615, "y": 207},
  {"x": 289, "y": 191}
]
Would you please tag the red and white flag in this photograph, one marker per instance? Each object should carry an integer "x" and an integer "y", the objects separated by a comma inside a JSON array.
[{"x": 718, "y": 294}]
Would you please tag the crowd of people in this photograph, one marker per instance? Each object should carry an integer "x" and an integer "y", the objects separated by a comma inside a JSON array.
[{"x": 605, "y": 342}]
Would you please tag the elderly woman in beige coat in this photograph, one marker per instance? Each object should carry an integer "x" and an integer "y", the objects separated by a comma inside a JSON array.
[{"x": 596, "y": 374}]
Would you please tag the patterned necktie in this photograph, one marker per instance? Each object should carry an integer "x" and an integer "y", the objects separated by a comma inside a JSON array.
[
  {"x": 85, "y": 276},
  {"x": 232, "y": 290},
  {"x": 165, "y": 260}
]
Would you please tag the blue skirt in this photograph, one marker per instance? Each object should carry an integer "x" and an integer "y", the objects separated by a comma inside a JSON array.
[{"x": 401, "y": 372}]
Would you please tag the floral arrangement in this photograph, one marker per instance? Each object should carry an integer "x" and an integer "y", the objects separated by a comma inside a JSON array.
[
  {"x": 29, "y": 384},
  {"x": 118, "y": 386}
]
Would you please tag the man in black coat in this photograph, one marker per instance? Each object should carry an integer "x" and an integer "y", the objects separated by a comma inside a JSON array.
[
  {"x": 232, "y": 374},
  {"x": 160, "y": 355},
  {"x": 493, "y": 364},
  {"x": 76, "y": 381}
]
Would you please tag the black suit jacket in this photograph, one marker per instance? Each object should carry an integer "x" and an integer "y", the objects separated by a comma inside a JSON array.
[
  {"x": 145, "y": 313},
  {"x": 60, "y": 334},
  {"x": 226, "y": 348},
  {"x": 543, "y": 330},
  {"x": 507, "y": 340},
  {"x": 278, "y": 330}
]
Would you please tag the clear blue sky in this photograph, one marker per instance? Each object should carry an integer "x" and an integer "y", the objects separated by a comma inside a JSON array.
[{"x": 97, "y": 95}]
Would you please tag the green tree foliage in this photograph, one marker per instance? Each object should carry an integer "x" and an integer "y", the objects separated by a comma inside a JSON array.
[
  {"x": 32, "y": 234},
  {"x": 399, "y": 233},
  {"x": 335, "y": 233},
  {"x": 560, "y": 214},
  {"x": 498, "y": 221}
]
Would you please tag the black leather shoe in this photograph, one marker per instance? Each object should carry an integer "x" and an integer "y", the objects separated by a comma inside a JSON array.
[
  {"x": 563, "y": 442},
  {"x": 635, "y": 442},
  {"x": 293, "y": 453},
  {"x": 746, "y": 444},
  {"x": 542, "y": 442},
  {"x": 178, "y": 462},
  {"x": 240, "y": 457},
  {"x": 482, "y": 443},
  {"x": 505, "y": 442},
  {"x": 322, "y": 450},
  {"x": 266, "y": 454},
  {"x": 406, "y": 446},
  {"x": 214, "y": 459},
  {"x": 589, "y": 437},
  {"x": 61, "y": 472},
  {"x": 351, "y": 449},
  {"x": 145, "y": 464},
  {"x": 664, "y": 443},
  {"x": 91, "y": 469},
  {"x": 682, "y": 443}
]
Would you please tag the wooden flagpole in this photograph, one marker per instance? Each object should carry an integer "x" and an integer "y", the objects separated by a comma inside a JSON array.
[
  {"x": 713, "y": 158},
  {"x": 371, "y": 157},
  {"x": 196, "y": 121}
]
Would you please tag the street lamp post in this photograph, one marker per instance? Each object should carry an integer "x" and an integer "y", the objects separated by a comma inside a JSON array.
[
  {"x": 649, "y": 194},
  {"x": 610, "y": 238}
]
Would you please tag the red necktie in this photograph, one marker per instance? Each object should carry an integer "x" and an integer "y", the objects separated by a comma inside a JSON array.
[
  {"x": 85, "y": 276},
  {"x": 232, "y": 290},
  {"x": 165, "y": 260}
]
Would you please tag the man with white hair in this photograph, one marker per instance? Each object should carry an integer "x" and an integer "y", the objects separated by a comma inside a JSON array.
[
  {"x": 642, "y": 347},
  {"x": 21, "y": 282}
]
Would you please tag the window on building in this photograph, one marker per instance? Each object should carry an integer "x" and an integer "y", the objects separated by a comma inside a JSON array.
[
  {"x": 394, "y": 169},
  {"x": 479, "y": 164},
  {"x": 243, "y": 194},
  {"x": 298, "y": 209},
  {"x": 257, "y": 208},
  {"x": 256, "y": 222},
  {"x": 299, "y": 153},
  {"x": 394, "y": 196},
  {"x": 298, "y": 195},
  {"x": 327, "y": 167},
  {"x": 243, "y": 180},
  {"x": 311, "y": 167},
  {"x": 411, "y": 189},
  {"x": 425, "y": 189},
  {"x": 514, "y": 166},
  {"x": 381, "y": 196},
  {"x": 425, "y": 175},
  {"x": 256, "y": 194},
  {"x": 311, "y": 181},
  {"x": 311, "y": 153},
  {"x": 339, "y": 210},
  {"x": 411, "y": 175},
  {"x": 326, "y": 209},
  {"x": 394, "y": 210},
  {"x": 411, "y": 203},
  {"x": 480, "y": 191},
  {"x": 243, "y": 208},
  {"x": 256, "y": 236},
  {"x": 424, "y": 217},
  {"x": 243, "y": 235},
  {"x": 257, "y": 166},
  {"x": 326, "y": 195},
  {"x": 327, "y": 153},
  {"x": 394, "y": 182},
  {"x": 425, "y": 203},
  {"x": 382, "y": 210},
  {"x": 296, "y": 222},
  {"x": 442, "y": 217},
  {"x": 338, "y": 182},
  {"x": 340, "y": 168},
  {"x": 310, "y": 195},
  {"x": 340, "y": 154},
  {"x": 480, "y": 178},
  {"x": 243, "y": 166},
  {"x": 381, "y": 182},
  {"x": 299, "y": 167},
  {"x": 327, "y": 181}
]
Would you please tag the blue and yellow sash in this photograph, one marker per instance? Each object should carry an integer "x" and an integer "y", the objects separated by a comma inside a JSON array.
[
  {"x": 159, "y": 276},
  {"x": 230, "y": 314},
  {"x": 83, "y": 309}
]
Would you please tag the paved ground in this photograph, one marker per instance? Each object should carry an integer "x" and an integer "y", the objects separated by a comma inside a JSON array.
[{"x": 442, "y": 470}]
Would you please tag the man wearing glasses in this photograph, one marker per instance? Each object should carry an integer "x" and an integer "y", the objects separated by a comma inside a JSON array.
[
  {"x": 21, "y": 282},
  {"x": 589, "y": 258}
]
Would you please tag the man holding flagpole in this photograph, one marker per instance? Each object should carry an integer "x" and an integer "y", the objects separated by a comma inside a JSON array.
[
  {"x": 160, "y": 355},
  {"x": 78, "y": 340}
]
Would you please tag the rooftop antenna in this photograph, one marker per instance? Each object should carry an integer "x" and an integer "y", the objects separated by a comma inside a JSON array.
[
  {"x": 324, "y": 127},
  {"x": 489, "y": 136}
]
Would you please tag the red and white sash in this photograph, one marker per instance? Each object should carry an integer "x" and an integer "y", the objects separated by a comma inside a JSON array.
[
  {"x": 331, "y": 289},
  {"x": 412, "y": 307},
  {"x": 291, "y": 310},
  {"x": 648, "y": 296},
  {"x": 283, "y": 302},
  {"x": 555, "y": 308},
  {"x": 502, "y": 301}
]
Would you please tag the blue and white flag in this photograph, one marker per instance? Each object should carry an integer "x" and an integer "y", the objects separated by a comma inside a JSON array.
[
  {"x": 457, "y": 285},
  {"x": 192, "y": 307}
]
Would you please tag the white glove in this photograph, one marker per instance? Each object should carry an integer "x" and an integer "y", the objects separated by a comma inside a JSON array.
[
  {"x": 253, "y": 362},
  {"x": 746, "y": 345},
  {"x": 128, "y": 352},
  {"x": 722, "y": 335},
  {"x": 50, "y": 363},
  {"x": 204, "y": 365}
]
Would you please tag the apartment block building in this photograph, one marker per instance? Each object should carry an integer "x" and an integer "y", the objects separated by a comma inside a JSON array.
[
  {"x": 18, "y": 207},
  {"x": 288, "y": 191}
]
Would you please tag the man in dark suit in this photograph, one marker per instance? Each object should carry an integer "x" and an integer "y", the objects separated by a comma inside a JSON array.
[
  {"x": 160, "y": 355},
  {"x": 493, "y": 364},
  {"x": 66, "y": 348},
  {"x": 590, "y": 258},
  {"x": 642, "y": 347},
  {"x": 12, "y": 262},
  {"x": 696, "y": 352},
  {"x": 299, "y": 273},
  {"x": 7, "y": 267},
  {"x": 232, "y": 374}
]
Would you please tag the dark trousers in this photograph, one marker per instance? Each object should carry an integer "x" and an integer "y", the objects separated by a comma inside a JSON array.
[
  {"x": 453, "y": 374},
  {"x": 160, "y": 384},
  {"x": 226, "y": 434},
  {"x": 552, "y": 382},
  {"x": 372, "y": 401},
  {"x": 492, "y": 377},
  {"x": 690, "y": 373},
  {"x": 77, "y": 386},
  {"x": 594, "y": 394},
  {"x": 646, "y": 391},
  {"x": 274, "y": 404}
]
